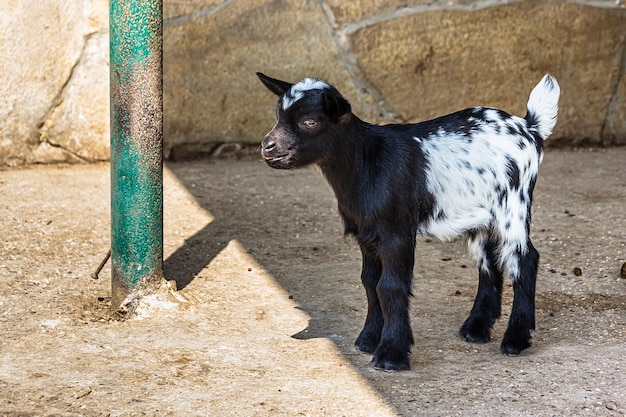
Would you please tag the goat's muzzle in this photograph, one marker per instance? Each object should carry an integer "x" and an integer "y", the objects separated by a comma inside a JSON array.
[{"x": 271, "y": 152}]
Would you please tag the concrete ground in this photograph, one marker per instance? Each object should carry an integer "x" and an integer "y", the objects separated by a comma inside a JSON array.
[{"x": 269, "y": 303}]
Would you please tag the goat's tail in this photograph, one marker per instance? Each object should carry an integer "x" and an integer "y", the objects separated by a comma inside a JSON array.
[{"x": 543, "y": 106}]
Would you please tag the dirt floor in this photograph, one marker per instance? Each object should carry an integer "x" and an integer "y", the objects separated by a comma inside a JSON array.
[{"x": 270, "y": 302}]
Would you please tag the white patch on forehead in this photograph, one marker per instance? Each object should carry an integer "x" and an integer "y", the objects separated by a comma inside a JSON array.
[{"x": 296, "y": 92}]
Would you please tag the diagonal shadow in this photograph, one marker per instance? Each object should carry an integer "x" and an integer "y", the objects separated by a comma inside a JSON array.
[{"x": 287, "y": 220}]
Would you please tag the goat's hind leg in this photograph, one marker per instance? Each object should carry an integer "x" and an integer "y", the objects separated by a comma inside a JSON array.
[
  {"x": 522, "y": 320},
  {"x": 370, "y": 275},
  {"x": 488, "y": 302}
]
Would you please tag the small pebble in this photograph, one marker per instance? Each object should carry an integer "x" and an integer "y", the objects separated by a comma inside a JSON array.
[
  {"x": 578, "y": 272},
  {"x": 623, "y": 271}
]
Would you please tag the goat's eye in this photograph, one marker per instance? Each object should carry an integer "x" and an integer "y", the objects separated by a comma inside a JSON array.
[{"x": 309, "y": 123}]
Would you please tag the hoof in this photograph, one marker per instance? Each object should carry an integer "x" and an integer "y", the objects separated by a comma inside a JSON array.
[
  {"x": 389, "y": 359},
  {"x": 514, "y": 343},
  {"x": 476, "y": 331},
  {"x": 391, "y": 367},
  {"x": 475, "y": 339}
]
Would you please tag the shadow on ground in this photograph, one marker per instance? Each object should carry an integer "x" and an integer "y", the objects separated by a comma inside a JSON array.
[{"x": 287, "y": 221}]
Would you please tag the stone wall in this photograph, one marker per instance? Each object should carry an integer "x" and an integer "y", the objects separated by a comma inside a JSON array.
[{"x": 395, "y": 60}]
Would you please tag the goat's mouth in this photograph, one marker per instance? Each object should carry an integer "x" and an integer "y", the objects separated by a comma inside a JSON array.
[
  {"x": 275, "y": 158},
  {"x": 279, "y": 161}
]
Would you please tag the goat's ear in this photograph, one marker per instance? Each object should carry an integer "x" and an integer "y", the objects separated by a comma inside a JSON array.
[
  {"x": 336, "y": 106},
  {"x": 277, "y": 87}
]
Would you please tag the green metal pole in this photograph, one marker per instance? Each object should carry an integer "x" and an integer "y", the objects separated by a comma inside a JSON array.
[{"x": 136, "y": 57}]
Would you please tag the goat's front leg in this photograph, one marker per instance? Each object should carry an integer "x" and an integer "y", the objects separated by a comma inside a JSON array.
[
  {"x": 394, "y": 290},
  {"x": 370, "y": 275}
]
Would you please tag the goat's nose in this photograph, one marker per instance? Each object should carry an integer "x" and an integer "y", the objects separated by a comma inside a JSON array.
[{"x": 269, "y": 145}]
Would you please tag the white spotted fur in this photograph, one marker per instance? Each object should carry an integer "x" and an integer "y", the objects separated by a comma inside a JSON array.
[{"x": 465, "y": 177}]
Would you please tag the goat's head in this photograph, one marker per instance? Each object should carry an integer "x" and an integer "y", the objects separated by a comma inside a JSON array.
[{"x": 308, "y": 114}]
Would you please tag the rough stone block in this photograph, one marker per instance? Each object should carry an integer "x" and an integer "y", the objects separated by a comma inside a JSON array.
[
  {"x": 79, "y": 124},
  {"x": 42, "y": 42}
]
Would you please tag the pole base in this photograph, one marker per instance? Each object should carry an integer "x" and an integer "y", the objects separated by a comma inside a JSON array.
[{"x": 124, "y": 300}]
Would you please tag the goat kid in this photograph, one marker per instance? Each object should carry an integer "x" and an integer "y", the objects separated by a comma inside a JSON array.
[{"x": 469, "y": 173}]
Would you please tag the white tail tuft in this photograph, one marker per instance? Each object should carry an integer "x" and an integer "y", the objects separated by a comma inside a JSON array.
[{"x": 543, "y": 106}]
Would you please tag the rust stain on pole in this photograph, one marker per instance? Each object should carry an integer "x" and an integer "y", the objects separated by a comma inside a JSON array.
[{"x": 136, "y": 57}]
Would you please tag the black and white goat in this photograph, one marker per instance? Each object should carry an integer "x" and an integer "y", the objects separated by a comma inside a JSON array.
[{"x": 469, "y": 173}]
